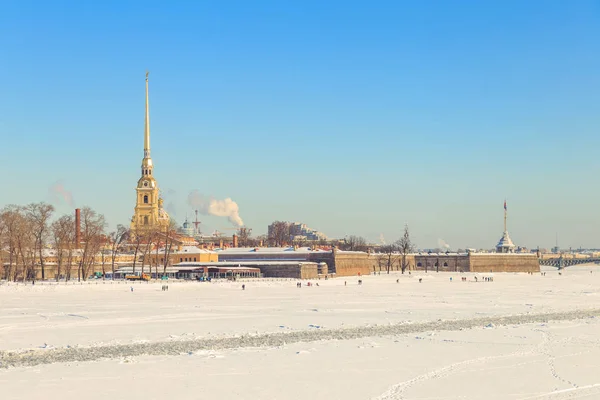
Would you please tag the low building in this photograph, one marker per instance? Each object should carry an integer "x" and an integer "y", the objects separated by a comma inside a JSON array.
[
  {"x": 181, "y": 254},
  {"x": 267, "y": 269}
]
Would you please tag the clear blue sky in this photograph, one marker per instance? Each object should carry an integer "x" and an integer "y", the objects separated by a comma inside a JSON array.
[{"x": 352, "y": 117}]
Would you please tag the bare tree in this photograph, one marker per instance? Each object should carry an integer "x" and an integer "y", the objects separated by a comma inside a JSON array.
[
  {"x": 117, "y": 239},
  {"x": 168, "y": 240},
  {"x": 261, "y": 240},
  {"x": 3, "y": 231},
  {"x": 25, "y": 245},
  {"x": 355, "y": 243},
  {"x": 39, "y": 214},
  {"x": 92, "y": 234},
  {"x": 10, "y": 218},
  {"x": 405, "y": 247},
  {"x": 138, "y": 239},
  {"x": 390, "y": 256},
  {"x": 279, "y": 233},
  {"x": 63, "y": 237},
  {"x": 243, "y": 235},
  {"x": 150, "y": 238}
]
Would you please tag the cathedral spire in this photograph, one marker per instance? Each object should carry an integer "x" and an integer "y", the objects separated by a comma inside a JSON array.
[{"x": 147, "y": 125}]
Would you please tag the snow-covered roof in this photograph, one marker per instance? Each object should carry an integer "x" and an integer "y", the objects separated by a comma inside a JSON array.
[
  {"x": 270, "y": 250},
  {"x": 187, "y": 250},
  {"x": 54, "y": 252},
  {"x": 240, "y": 264},
  {"x": 505, "y": 241}
]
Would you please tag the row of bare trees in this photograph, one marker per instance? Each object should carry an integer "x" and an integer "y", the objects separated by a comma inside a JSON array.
[
  {"x": 29, "y": 236},
  {"x": 161, "y": 240},
  {"x": 27, "y": 233}
]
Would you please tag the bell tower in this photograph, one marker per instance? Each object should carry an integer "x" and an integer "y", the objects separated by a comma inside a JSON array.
[{"x": 149, "y": 213}]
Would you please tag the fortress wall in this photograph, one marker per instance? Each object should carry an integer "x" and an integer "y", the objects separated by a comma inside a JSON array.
[
  {"x": 442, "y": 262},
  {"x": 379, "y": 262},
  {"x": 498, "y": 262},
  {"x": 300, "y": 271},
  {"x": 352, "y": 263}
]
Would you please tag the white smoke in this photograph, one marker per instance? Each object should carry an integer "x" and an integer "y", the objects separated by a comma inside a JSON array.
[
  {"x": 442, "y": 244},
  {"x": 58, "y": 194},
  {"x": 220, "y": 208},
  {"x": 381, "y": 238}
]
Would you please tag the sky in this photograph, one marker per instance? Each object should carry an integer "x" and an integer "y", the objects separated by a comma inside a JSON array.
[{"x": 354, "y": 117}]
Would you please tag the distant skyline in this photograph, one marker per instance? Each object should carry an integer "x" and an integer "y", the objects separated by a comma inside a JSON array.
[{"x": 351, "y": 117}]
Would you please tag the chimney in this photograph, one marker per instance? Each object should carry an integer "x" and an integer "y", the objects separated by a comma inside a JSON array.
[
  {"x": 235, "y": 241},
  {"x": 77, "y": 228}
]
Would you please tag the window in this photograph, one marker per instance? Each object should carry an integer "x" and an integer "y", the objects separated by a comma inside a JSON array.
[
  {"x": 194, "y": 259},
  {"x": 145, "y": 220},
  {"x": 419, "y": 265},
  {"x": 445, "y": 264},
  {"x": 181, "y": 260},
  {"x": 145, "y": 199}
]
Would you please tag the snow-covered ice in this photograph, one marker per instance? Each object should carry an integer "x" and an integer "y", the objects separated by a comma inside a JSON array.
[{"x": 519, "y": 337}]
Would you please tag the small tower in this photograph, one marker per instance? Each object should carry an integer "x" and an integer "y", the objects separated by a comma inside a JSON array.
[{"x": 505, "y": 245}]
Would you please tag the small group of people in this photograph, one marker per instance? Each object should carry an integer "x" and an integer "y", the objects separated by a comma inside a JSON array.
[
  {"x": 299, "y": 284},
  {"x": 165, "y": 288}
]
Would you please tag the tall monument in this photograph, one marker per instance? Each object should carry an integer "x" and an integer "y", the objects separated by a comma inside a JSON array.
[
  {"x": 149, "y": 213},
  {"x": 505, "y": 245}
]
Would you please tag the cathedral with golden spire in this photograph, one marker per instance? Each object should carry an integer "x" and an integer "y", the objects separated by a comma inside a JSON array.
[{"x": 149, "y": 214}]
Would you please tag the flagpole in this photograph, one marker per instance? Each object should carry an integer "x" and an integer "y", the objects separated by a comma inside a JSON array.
[{"x": 504, "y": 215}]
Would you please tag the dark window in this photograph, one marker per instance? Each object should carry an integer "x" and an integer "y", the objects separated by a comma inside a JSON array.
[
  {"x": 194, "y": 258},
  {"x": 445, "y": 264},
  {"x": 181, "y": 260},
  {"x": 146, "y": 199},
  {"x": 419, "y": 265}
]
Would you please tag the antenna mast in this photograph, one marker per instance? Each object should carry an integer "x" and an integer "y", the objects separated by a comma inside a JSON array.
[{"x": 197, "y": 223}]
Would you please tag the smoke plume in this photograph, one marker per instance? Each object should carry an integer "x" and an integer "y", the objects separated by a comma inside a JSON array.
[
  {"x": 168, "y": 196},
  {"x": 171, "y": 209},
  {"x": 381, "y": 239},
  {"x": 220, "y": 208},
  {"x": 59, "y": 194},
  {"x": 442, "y": 244}
]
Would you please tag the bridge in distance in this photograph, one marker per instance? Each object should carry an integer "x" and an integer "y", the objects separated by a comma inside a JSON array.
[{"x": 560, "y": 262}]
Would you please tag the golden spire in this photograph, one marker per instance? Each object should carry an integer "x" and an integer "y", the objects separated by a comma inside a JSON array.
[{"x": 147, "y": 126}]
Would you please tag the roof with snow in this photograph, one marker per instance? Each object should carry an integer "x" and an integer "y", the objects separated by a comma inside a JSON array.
[{"x": 269, "y": 250}]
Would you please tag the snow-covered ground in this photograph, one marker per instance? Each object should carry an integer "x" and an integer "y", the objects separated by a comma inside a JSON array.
[{"x": 519, "y": 337}]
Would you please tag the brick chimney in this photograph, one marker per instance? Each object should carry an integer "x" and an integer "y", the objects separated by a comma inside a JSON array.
[
  {"x": 77, "y": 228},
  {"x": 235, "y": 241}
]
